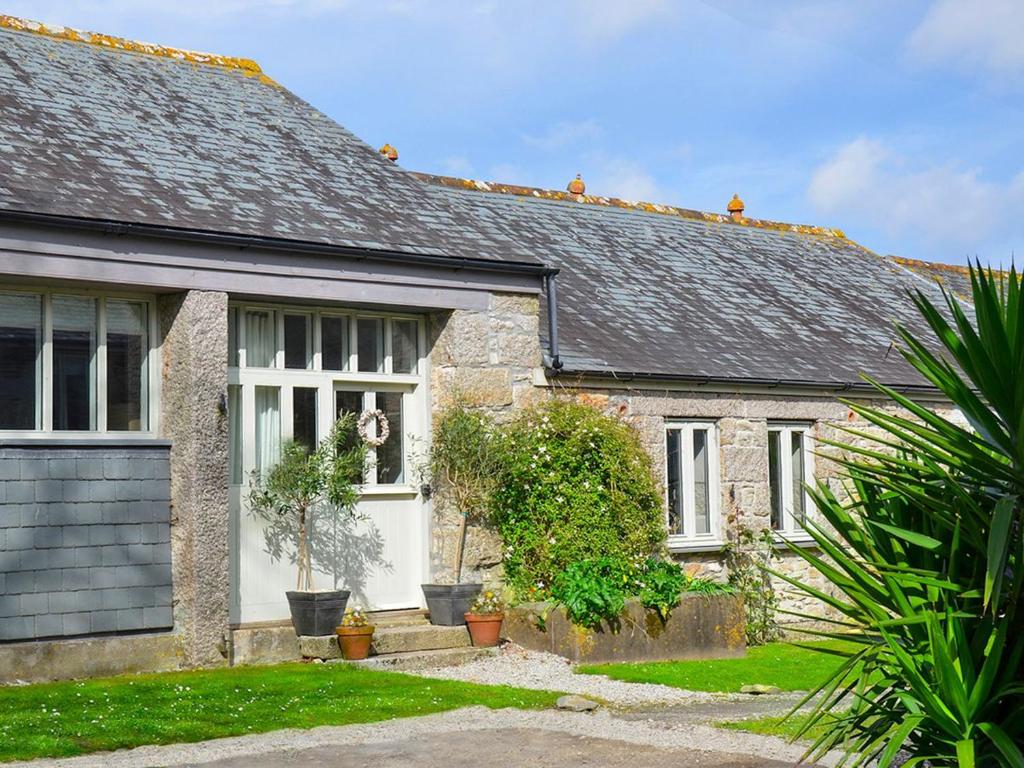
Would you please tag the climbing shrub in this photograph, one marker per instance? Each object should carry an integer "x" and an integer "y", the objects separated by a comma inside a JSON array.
[
  {"x": 574, "y": 484},
  {"x": 748, "y": 558}
]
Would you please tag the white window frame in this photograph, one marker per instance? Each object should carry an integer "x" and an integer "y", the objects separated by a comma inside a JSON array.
[
  {"x": 327, "y": 382},
  {"x": 694, "y": 542},
  {"x": 790, "y": 529},
  {"x": 98, "y": 405}
]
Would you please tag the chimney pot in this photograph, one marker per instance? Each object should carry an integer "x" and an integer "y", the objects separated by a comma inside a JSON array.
[
  {"x": 576, "y": 186},
  {"x": 389, "y": 152},
  {"x": 735, "y": 207}
]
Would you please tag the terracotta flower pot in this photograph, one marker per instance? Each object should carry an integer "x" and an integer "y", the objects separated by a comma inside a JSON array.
[
  {"x": 484, "y": 628},
  {"x": 355, "y": 641}
]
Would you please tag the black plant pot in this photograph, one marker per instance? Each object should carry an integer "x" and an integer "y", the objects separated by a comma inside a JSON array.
[
  {"x": 317, "y": 613},
  {"x": 448, "y": 603}
]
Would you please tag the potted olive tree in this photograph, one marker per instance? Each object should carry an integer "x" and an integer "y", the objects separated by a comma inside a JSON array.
[
  {"x": 305, "y": 490},
  {"x": 462, "y": 464}
]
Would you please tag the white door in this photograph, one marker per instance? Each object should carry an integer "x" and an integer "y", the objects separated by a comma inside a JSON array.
[{"x": 380, "y": 555}]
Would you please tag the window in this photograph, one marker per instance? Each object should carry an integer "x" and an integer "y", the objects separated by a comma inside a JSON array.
[
  {"x": 260, "y": 339},
  {"x": 21, "y": 331},
  {"x": 370, "y": 344},
  {"x": 127, "y": 382},
  {"x": 334, "y": 342},
  {"x": 297, "y": 369},
  {"x": 691, "y": 458},
  {"x": 298, "y": 341},
  {"x": 404, "y": 346},
  {"x": 75, "y": 363},
  {"x": 790, "y": 468}
]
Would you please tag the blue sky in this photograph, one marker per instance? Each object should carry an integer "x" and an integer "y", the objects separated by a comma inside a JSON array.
[{"x": 898, "y": 122}]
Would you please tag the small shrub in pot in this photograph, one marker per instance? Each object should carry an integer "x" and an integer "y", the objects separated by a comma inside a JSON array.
[
  {"x": 355, "y": 635},
  {"x": 484, "y": 619}
]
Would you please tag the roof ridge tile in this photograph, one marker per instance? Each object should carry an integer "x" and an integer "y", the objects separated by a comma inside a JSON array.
[
  {"x": 615, "y": 202},
  {"x": 247, "y": 66}
]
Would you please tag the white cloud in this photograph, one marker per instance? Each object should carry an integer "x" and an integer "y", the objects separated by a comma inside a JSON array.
[
  {"x": 565, "y": 134},
  {"x": 979, "y": 34},
  {"x": 609, "y": 20},
  {"x": 457, "y": 165},
  {"x": 940, "y": 204},
  {"x": 508, "y": 173},
  {"x": 623, "y": 178}
]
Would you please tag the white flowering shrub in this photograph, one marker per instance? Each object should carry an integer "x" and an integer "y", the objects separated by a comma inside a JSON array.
[{"x": 575, "y": 484}]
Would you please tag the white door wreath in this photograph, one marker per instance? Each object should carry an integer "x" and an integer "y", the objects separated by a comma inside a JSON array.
[{"x": 383, "y": 427}]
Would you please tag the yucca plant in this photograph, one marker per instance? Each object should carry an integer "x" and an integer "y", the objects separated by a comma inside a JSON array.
[{"x": 925, "y": 547}]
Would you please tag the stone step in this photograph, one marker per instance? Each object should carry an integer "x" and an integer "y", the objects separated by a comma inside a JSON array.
[
  {"x": 398, "y": 618},
  {"x": 415, "y": 661},
  {"x": 417, "y": 637}
]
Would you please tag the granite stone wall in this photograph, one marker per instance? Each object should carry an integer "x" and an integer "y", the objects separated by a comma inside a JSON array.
[
  {"x": 194, "y": 332},
  {"x": 84, "y": 540},
  {"x": 487, "y": 359},
  {"x": 742, "y": 420}
]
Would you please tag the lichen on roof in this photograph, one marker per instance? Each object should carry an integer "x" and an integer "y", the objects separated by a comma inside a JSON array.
[
  {"x": 248, "y": 66},
  {"x": 634, "y": 205}
]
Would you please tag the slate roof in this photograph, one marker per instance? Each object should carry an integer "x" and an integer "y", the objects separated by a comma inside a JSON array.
[
  {"x": 949, "y": 276},
  {"x": 658, "y": 291},
  {"x": 102, "y": 128}
]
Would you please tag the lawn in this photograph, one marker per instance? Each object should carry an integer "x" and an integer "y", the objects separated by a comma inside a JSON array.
[
  {"x": 70, "y": 718},
  {"x": 786, "y": 728},
  {"x": 789, "y": 667}
]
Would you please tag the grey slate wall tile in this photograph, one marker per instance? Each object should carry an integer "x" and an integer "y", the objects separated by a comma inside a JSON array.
[{"x": 84, "y": 540}]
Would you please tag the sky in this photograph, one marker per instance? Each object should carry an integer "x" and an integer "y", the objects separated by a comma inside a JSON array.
[{"x": 897, "y": 122}]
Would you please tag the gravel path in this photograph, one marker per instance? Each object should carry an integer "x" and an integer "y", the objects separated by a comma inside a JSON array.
[
  {"x": 530, "y": 669},
  {"x": 508, "y": 728}
]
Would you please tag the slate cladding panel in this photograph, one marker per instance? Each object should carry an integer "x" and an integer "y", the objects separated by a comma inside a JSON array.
[{"x": 84, "y": 540}]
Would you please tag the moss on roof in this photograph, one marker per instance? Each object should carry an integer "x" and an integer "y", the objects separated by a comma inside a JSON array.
[
  {"x": 70, "y": 34},
  {"x": 615, "y": 202}
]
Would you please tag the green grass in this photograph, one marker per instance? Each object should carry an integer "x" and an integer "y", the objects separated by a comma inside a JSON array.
[
  {"x": 71, "y": 718},
  {"x": 776, "y": 726},
  {"x": 789, "y": 667}
]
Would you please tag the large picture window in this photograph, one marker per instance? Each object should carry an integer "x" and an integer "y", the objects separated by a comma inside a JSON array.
[
  {"x": 293, "y": 371},
  {"x": 75, "y": 363},
  {"x": 691, "y": 464},
  {"x": 790, "y": 468}
]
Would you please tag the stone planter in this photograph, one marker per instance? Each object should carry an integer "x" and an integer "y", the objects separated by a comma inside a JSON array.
[
  {"x": 448, "y": 603},
  {"x": 355, "y": 641},
  {"x": 484, "y": 628},
  {"x": 317, "y": 613},
  {"x": 699, "y": 628}
]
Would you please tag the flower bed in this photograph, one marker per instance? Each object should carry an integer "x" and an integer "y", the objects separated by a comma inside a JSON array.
[{"x": 700, "y": 627}]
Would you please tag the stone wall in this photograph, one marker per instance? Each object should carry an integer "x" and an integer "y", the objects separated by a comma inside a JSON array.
[
  {"x": 194, "y": 331},
  {"x": 84, "y": 539},
  {"x": 742, "y": 420},
  {"x": 487, "y": 360}
]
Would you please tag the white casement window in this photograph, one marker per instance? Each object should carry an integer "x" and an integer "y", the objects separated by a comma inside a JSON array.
[
  {"x": 790, "y": 469},
  {"x": 692, "y": 482},
  {"x": 75, "y": 362},
  {"x": 292, "y": 371}
]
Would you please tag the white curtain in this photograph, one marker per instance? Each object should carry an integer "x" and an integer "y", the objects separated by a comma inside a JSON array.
[
  {"x": 260, "y": 339},
  {"x": 268, "y": 427}
]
